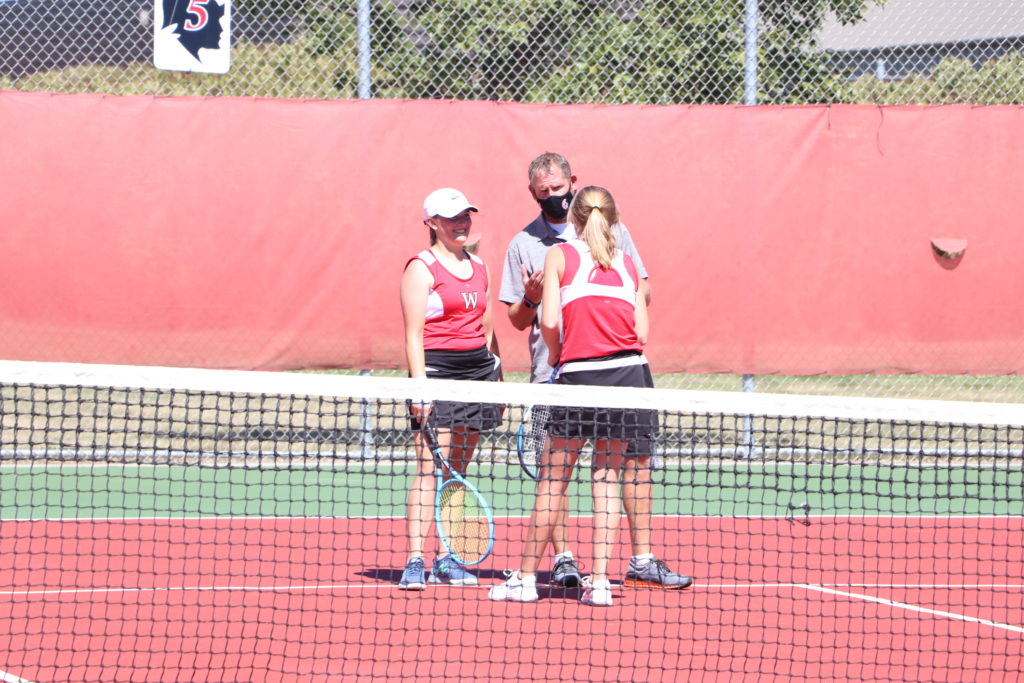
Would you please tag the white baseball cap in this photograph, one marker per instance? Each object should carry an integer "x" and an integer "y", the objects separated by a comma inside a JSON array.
[{"x": 446, "y": 202}]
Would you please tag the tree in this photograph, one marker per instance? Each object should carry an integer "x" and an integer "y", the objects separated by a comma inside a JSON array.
[
  {"x": 600, "y": 51},
  {"x": 609, "y": 51},
  {"x": 953, "y": 81}
]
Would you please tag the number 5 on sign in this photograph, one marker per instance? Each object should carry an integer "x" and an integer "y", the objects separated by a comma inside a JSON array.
[{"x": 192, "y": 35}]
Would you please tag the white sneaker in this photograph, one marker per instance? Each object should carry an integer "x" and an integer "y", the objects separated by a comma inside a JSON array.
[
  {"x": 516, "y": 589},
  {"x": 597, "y": 593}
]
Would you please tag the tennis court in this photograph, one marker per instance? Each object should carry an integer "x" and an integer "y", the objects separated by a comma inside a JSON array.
[
  {"x": 818, "y": 190},
  {"x": 155, "y": 567}
]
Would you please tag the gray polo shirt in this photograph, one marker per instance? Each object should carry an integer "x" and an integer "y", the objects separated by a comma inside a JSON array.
[{"x": 530, "y": 246}]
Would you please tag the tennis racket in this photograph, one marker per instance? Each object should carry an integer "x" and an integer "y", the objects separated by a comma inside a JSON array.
[
  {"x": 464, "y": 520},
  {"x": 532, "y": 436}
]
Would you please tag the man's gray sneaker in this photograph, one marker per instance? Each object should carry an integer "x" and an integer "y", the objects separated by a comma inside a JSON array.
[{"x": 655, "y": 574}]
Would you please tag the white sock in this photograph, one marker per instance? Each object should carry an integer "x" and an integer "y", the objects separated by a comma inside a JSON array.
[
  {"x": 567, "y": 555},
  {"x": 641, "y": 561}
]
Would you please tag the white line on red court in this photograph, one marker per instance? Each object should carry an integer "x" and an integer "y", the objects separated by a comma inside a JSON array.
[
  {"x": 914, "y": 608},
  {"x": 11, "y": 678}
]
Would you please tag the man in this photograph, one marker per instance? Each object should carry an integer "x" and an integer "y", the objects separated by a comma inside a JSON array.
[{"x": 552, "y": 185}]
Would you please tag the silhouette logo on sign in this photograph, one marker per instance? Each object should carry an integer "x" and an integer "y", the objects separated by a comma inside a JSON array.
[{"x": 197, "y": 23}]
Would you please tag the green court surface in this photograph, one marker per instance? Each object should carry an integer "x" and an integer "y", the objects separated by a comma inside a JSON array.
[{"x": 728, "y": 489}]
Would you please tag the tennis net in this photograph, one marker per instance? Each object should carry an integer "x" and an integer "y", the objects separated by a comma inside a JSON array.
[{"x": 165, "y": 524}]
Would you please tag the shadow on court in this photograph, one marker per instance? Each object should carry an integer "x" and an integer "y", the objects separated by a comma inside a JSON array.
[{"x": 544, "y": 587}]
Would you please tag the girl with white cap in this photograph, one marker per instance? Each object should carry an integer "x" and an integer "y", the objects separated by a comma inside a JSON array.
[{"x": 448, "y": 334}]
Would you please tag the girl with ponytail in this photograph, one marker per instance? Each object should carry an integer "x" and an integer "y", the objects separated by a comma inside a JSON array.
[
  {"x": 594, "y": 289},
  {"x": 594, "y": 209}
]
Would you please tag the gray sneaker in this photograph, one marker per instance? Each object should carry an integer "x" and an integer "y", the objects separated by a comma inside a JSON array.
[
  {"x": 566, "y": 573},
  {"x": 413, "y": 576},
  {"x": 447, "y": 570},
  {"x": 655, "y": 574}
]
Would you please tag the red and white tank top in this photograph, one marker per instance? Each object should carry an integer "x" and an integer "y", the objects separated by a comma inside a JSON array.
[
  {"x": 455, "y": 307},
  {"x": 598, "y": 304}
]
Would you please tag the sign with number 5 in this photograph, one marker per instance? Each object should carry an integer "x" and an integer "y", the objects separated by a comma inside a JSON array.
[{"x": 192, "y": 35}]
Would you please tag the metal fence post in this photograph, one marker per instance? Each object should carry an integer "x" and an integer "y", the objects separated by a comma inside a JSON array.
[
  {"x": 750, "y": 52},
  {"x": 363, "y": 48},
  {"x": 749, "y": 385},
  {"x": 750, "y": 99},
  {"x": 366, "y": 425}
]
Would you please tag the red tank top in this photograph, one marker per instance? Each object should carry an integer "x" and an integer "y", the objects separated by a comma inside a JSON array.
[
  {"x": 455, "y": 307},
  {"x": 598, "y": 304}
]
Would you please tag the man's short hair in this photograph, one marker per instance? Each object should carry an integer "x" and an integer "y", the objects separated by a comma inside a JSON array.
[{"x": 545, "y": 161}]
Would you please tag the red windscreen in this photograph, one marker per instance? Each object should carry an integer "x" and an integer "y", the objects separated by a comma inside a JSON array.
[{"x": 252, "y": 233}]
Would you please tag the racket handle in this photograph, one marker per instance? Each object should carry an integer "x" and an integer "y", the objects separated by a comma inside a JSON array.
[{"x": 429, "y": 437}]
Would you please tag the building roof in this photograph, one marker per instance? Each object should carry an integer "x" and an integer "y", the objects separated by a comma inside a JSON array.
[{"x": 926, "y": 22}]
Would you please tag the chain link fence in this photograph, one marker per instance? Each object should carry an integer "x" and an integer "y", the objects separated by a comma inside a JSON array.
[
  {"x": 564, "y": 51},
  {"x": 568, "y": 51}
]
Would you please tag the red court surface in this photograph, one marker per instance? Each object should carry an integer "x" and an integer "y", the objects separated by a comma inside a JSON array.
[{"x": 253, "y": 600}]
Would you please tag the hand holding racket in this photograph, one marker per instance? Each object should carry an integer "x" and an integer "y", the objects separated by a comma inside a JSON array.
[
  {"x": 420, "y": 410},
  {"x": 464, "y": 520}
]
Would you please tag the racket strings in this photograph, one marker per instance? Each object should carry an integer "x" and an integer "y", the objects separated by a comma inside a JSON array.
[
  {"x": 533, "y": 439},
  {"x": 464, "y": 522},
  {"x": 537, "y": 432}
]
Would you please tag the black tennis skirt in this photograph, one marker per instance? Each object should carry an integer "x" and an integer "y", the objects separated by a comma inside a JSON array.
[
  {"x": 627, "y": 369},
  {"x": 475, "y": 364}
]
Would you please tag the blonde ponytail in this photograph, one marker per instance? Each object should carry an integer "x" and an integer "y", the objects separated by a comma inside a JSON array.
[{"x": 593, "y": 214}]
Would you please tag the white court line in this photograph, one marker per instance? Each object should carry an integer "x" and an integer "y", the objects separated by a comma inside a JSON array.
[
  {"x": 11, "y": 678},
  {"x": 182, "y": 589},
  {"x": 497, "y": 518},
  {"x": 352, "y": 466},
  {"x": 943, "y": 586},
  {"x": 309, "y": 587},
  {"x": 379, "y": 586},
  {"x": 201, "y": 518},
  {"x": 914, "y": 608},
  {"x": 359, "y": 464}
]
